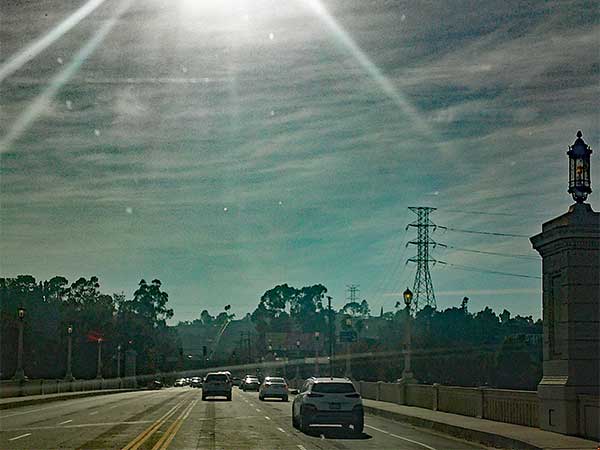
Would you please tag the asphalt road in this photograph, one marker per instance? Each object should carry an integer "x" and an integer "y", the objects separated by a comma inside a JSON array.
[{"x": 177, "y": 418}]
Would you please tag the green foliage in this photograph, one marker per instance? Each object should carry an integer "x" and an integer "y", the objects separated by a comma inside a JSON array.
[{"x": 54, "y": 305}]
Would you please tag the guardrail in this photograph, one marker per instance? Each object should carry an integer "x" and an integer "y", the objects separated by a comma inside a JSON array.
[{"x": 517, "y": 407}]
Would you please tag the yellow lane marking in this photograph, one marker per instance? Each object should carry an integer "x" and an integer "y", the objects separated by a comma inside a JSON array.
[
  {"x": 142, "y": 437},
  {"x": 169, "y": 435}
]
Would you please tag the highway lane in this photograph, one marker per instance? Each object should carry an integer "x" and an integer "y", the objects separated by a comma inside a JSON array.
[{"x": 176, "y": 418}]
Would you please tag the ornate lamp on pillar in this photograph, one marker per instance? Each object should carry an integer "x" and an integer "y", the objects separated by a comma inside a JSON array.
[
  {"x": 580, "y": 183},
  {"x": 570, "y": 249},
  {"x": 407, "y": 375}
]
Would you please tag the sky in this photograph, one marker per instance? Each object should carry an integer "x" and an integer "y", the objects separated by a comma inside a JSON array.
[{"x": 227, "y": 146}]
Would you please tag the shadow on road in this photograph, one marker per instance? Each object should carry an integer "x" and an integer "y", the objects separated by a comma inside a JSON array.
[{"x": 336, "y": 433}]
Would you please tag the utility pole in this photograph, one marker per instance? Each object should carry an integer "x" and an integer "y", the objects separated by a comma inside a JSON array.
[
  {"x": 317, "y": 335},
  {"x": 423, "y": 286},
  {"x": 330, "y": 336},
  {"x": 99, "y": 363}
]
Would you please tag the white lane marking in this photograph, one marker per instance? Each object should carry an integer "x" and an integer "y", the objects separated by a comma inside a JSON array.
[
  {"x": 19, "y": 437},
  {"x": 281, "y": 429},
  {"x": 257, "y": 410},
  {"x": 267, "y": 417},
  {"x": 83, "y": 425},
  {"x": 93, "y": 413},
  {"x": 66, "y": 421},
  {"x": 414, "y": 442},
  {"x": 377, "y": 429},
  {"x": 301, "y": 447},
  {"x": 78, "y": 400}
]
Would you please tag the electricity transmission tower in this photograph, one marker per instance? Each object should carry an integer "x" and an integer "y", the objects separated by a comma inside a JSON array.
[
  {"x": 423, "y": 286},
  {"x": 352, "y": 292}
]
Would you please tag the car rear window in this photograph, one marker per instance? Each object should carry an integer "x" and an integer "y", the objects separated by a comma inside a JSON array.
[
  {"x": 216, "y": 378},
  {"x": 333, "y": 388}
]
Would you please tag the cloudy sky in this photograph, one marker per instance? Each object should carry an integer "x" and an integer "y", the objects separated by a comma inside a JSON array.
[{"x": 226, "y": 146}]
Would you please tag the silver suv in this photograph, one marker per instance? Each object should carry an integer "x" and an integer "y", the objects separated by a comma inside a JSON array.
[{"x": 328, "y": 401}]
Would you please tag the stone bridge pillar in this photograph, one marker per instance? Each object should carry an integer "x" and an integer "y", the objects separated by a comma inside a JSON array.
[{"x": 569, "y": 389}]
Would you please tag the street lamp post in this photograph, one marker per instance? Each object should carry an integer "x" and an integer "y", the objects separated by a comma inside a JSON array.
[
  {"x": 317, "y": 335},
  {"x": 348, "y": 372},
  {"x": 407, "y": 375},
  {"x": 297, "y": 377},
  {"x": 20, "y": 373},
  {"x": 69, "y": 374},
  {"x": 119, "y": 361},
  {"x": 99, "y": 363}
]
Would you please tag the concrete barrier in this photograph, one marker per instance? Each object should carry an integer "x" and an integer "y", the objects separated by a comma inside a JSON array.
[
  {"x": 518, "y": 407},
  {"x": 13, "y": 388},
  {"x": 420, "y": 395},
  {"x": 500, "y": 405}
]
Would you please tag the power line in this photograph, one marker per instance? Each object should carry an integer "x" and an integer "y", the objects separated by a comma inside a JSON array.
[
  {"x": 494, "y": 253},
  {"x": 490, "y": 233},
  {"x": 495, "y": 272},
  {"x": 483, "y": 213}
]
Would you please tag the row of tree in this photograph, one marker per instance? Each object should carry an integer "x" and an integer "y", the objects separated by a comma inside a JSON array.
[
  {"x": 51, "y": 306},
  {"x": 451, "y": 346}
]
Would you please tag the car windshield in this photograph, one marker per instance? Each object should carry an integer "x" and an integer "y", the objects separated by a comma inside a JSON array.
[
  {"x": 333, "y": 388},
  {"x": 275, "y": 381},
  {"x": 383, "y": 191},
  {"x": 217, "y": 378}
]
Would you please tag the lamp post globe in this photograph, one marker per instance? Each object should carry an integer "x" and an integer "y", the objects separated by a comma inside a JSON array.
[
  {"x": 408, "y": 296},
  {"x": 580, "y": 184}
]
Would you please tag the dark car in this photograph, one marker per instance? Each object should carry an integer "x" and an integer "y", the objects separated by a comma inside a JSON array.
[
  {"x": 216, "y": 384},
  {"x": 154, "y": 384}
]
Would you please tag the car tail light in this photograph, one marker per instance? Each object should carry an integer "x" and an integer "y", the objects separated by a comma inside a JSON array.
[
  {"x": 354, "y": 395},
  {"x": 312, "y": 394}
]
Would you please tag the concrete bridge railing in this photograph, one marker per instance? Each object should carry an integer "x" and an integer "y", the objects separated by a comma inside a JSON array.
[{"x": 518, "y": 407}]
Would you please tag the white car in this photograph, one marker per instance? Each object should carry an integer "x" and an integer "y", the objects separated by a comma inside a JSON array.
[
  {"x": 273, "y": 387},
  {"x": 328, "y": 401}
]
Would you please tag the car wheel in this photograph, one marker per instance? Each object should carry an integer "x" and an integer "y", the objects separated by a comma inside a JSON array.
[
  {"x": 359, "y": 425},
  {"x": 261, "y": 398},
  {"x": 294, "y": 421},
  {"x": 229, "y": 398},
  {"x": 303, "y": 423},
  {"x": 204, "y": 397},
  {"x": 285, "y": 399}
]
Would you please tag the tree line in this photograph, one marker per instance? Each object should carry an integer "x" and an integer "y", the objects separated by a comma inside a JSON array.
[
  {"x": 452, "y": 346},
  {"x": 51, "y": 306}
]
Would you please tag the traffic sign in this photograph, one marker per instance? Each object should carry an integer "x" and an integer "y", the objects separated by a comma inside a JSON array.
[{"x": 348, "y": 336}]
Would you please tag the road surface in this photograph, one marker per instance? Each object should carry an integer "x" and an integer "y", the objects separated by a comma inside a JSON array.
[{"x": 177, "y": 418}]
